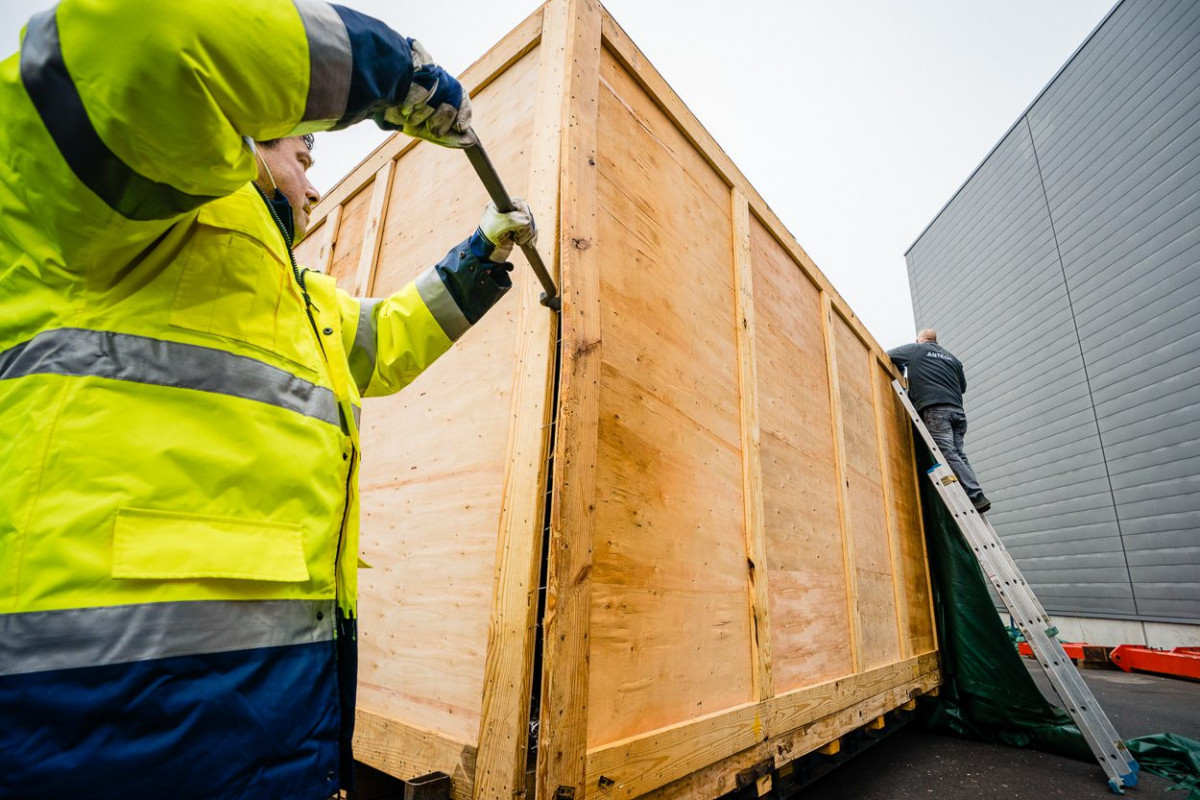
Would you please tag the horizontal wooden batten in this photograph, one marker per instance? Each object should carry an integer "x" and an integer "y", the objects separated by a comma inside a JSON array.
[
  {"x": 396, "y": 748},
  {"x": 636, "y": 766},
  {"x": 721, "y": 778}
]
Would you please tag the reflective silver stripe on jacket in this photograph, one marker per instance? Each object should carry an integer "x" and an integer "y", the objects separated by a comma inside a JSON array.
[
  {"x": 330, "y": 61},
  {"x": 40, "y": 641},
  {"x": 365, "y": 351},
  {"x": 441, "y": 304},
  {"x": 139, "y": 359},
  {"x": 60, "y": 107}
]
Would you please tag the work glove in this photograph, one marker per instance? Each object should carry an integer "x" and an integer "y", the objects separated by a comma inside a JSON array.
[
  {"x": 436, "y": 108},
  {"x": 505, "y": 230}
]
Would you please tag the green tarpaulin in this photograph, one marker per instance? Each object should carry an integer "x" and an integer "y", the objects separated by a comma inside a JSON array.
[{"x": 987, "y": 691}]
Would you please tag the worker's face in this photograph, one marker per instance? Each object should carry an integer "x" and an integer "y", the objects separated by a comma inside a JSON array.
[{"x": 288, "y": 161}]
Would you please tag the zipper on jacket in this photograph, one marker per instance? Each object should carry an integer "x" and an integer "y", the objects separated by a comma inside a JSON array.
[
  {"x": 296, "y": 271},
  {"x": 308, "y": 307}
]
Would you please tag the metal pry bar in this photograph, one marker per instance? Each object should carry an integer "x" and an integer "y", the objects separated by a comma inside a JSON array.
[{"x": 495, "y": 188}]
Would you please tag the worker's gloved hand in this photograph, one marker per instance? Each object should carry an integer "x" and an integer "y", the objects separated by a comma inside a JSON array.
[
  {"x": 503, "y": 231},
  {"x": 436, "y": 108}
]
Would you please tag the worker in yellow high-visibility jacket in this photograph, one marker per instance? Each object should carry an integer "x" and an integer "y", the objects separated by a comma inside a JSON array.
[{"x": 178, "y": 400}]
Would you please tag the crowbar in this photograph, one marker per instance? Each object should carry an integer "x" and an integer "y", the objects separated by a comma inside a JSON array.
[{"x": 495, "y": 188}]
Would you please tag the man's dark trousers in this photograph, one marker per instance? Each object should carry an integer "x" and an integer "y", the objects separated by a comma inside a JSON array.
[{"x": 948, "y": 427}]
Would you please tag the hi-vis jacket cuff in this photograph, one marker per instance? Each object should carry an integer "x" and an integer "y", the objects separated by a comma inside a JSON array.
[
  {"x": 357, "y": 66},
  {"x": 442, "y": 305},
  {"x": 330, "y": 64},
  {"x": 464, "y": 285}
]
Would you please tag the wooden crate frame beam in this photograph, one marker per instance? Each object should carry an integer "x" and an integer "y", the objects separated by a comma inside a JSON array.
[
  {"x": 508, "y": 672},
  {"x": 398, "y": 748},
  {"x": 721, "y": 778},
  {"x": 368, "y": 257},
  {"x": 562, "y": 746},
  {"x": 899, "y": 596},
  {"x": 752, "y": 479},
  {"x": 849, "y": 567},
  {"x": 633, "y": 767}
]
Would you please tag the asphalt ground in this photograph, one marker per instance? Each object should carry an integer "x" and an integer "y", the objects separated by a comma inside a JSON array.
[{"x": 912, "y": 763}]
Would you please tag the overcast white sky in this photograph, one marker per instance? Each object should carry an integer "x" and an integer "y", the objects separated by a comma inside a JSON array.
[{"x": 855, "y": 119}]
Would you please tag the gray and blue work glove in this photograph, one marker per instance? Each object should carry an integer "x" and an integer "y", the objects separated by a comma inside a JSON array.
[
  {"x": 436, "y": 108},
  {"x": 475, "y": 272}
]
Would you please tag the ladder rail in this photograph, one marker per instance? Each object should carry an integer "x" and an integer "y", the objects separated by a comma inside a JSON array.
[
  {"x": 1034, "y": 623},
  {"x": 1031, "y": 618}
]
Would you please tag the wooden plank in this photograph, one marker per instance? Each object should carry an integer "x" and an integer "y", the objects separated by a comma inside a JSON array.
[
  {"x": 669, "y": 498},
  {"x": 329, "y": 232},
  {"x": 895, "y": 559},
  {"x": 924, "y": 560},
  {"x": 835, "y": 404},
  {"x": 373, "y": 231},
  {"x": 504, "y": 728},
  {"x": 793, "y": 710},
  {"x": 562, "y": 746},
  {"x": 305, "y": 250},
  {"x": 406, "y": 752},
  {"x": 720, "y": 778},
  {"x": 343, "y": 263},
  {"x": 752, "y": 479},
  {"x": 802, "y": 519},
  {"x": 878, "y": 642},
  {"x": 914, "y": 564},
  {"x": 491, "y": 65},
  {"x": 633, "y": 767}
]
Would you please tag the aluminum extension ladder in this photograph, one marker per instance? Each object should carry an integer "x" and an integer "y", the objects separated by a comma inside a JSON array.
[{"x": 1031, "y": 618}]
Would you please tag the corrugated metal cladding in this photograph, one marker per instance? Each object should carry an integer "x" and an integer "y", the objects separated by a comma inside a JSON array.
[{"x": 1066, "y": 275}]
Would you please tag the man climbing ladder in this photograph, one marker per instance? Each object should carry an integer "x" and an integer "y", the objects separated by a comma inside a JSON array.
[{"x": 1033, "y": 621}]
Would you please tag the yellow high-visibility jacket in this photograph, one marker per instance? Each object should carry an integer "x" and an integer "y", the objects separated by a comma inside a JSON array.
[{"x": 178, "y": 402}]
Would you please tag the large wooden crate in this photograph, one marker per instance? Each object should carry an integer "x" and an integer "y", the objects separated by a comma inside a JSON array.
[{"x": 732, "y": 558}]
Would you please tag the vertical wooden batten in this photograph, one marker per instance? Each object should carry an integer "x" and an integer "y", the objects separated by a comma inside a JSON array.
[
  {"x": 562, "y": 748},
  {"x": 843, "y": 481},
  {"x": 899, "y": 596},
  {"x": 329, "y": 232},
  {"x": 752, "y": 480},
  {"x": 916, "y": 473},
  {"x": 373, "y": 231},
  {"x": 508, "y": 679}
]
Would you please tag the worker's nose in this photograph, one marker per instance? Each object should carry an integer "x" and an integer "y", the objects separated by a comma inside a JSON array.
[{"x": 311, "y": 195}]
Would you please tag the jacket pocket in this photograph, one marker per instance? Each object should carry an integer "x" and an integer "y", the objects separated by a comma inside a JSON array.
[
  {"x": 167, "y": 545},
  {"x": 233, "y": 285}
]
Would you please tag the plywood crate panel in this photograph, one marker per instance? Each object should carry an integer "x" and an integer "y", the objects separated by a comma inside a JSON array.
[{"x": 701, "y": 459}]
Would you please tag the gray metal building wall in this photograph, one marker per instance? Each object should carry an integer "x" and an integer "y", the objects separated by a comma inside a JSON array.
[{"x": 1065, "y": 274}]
